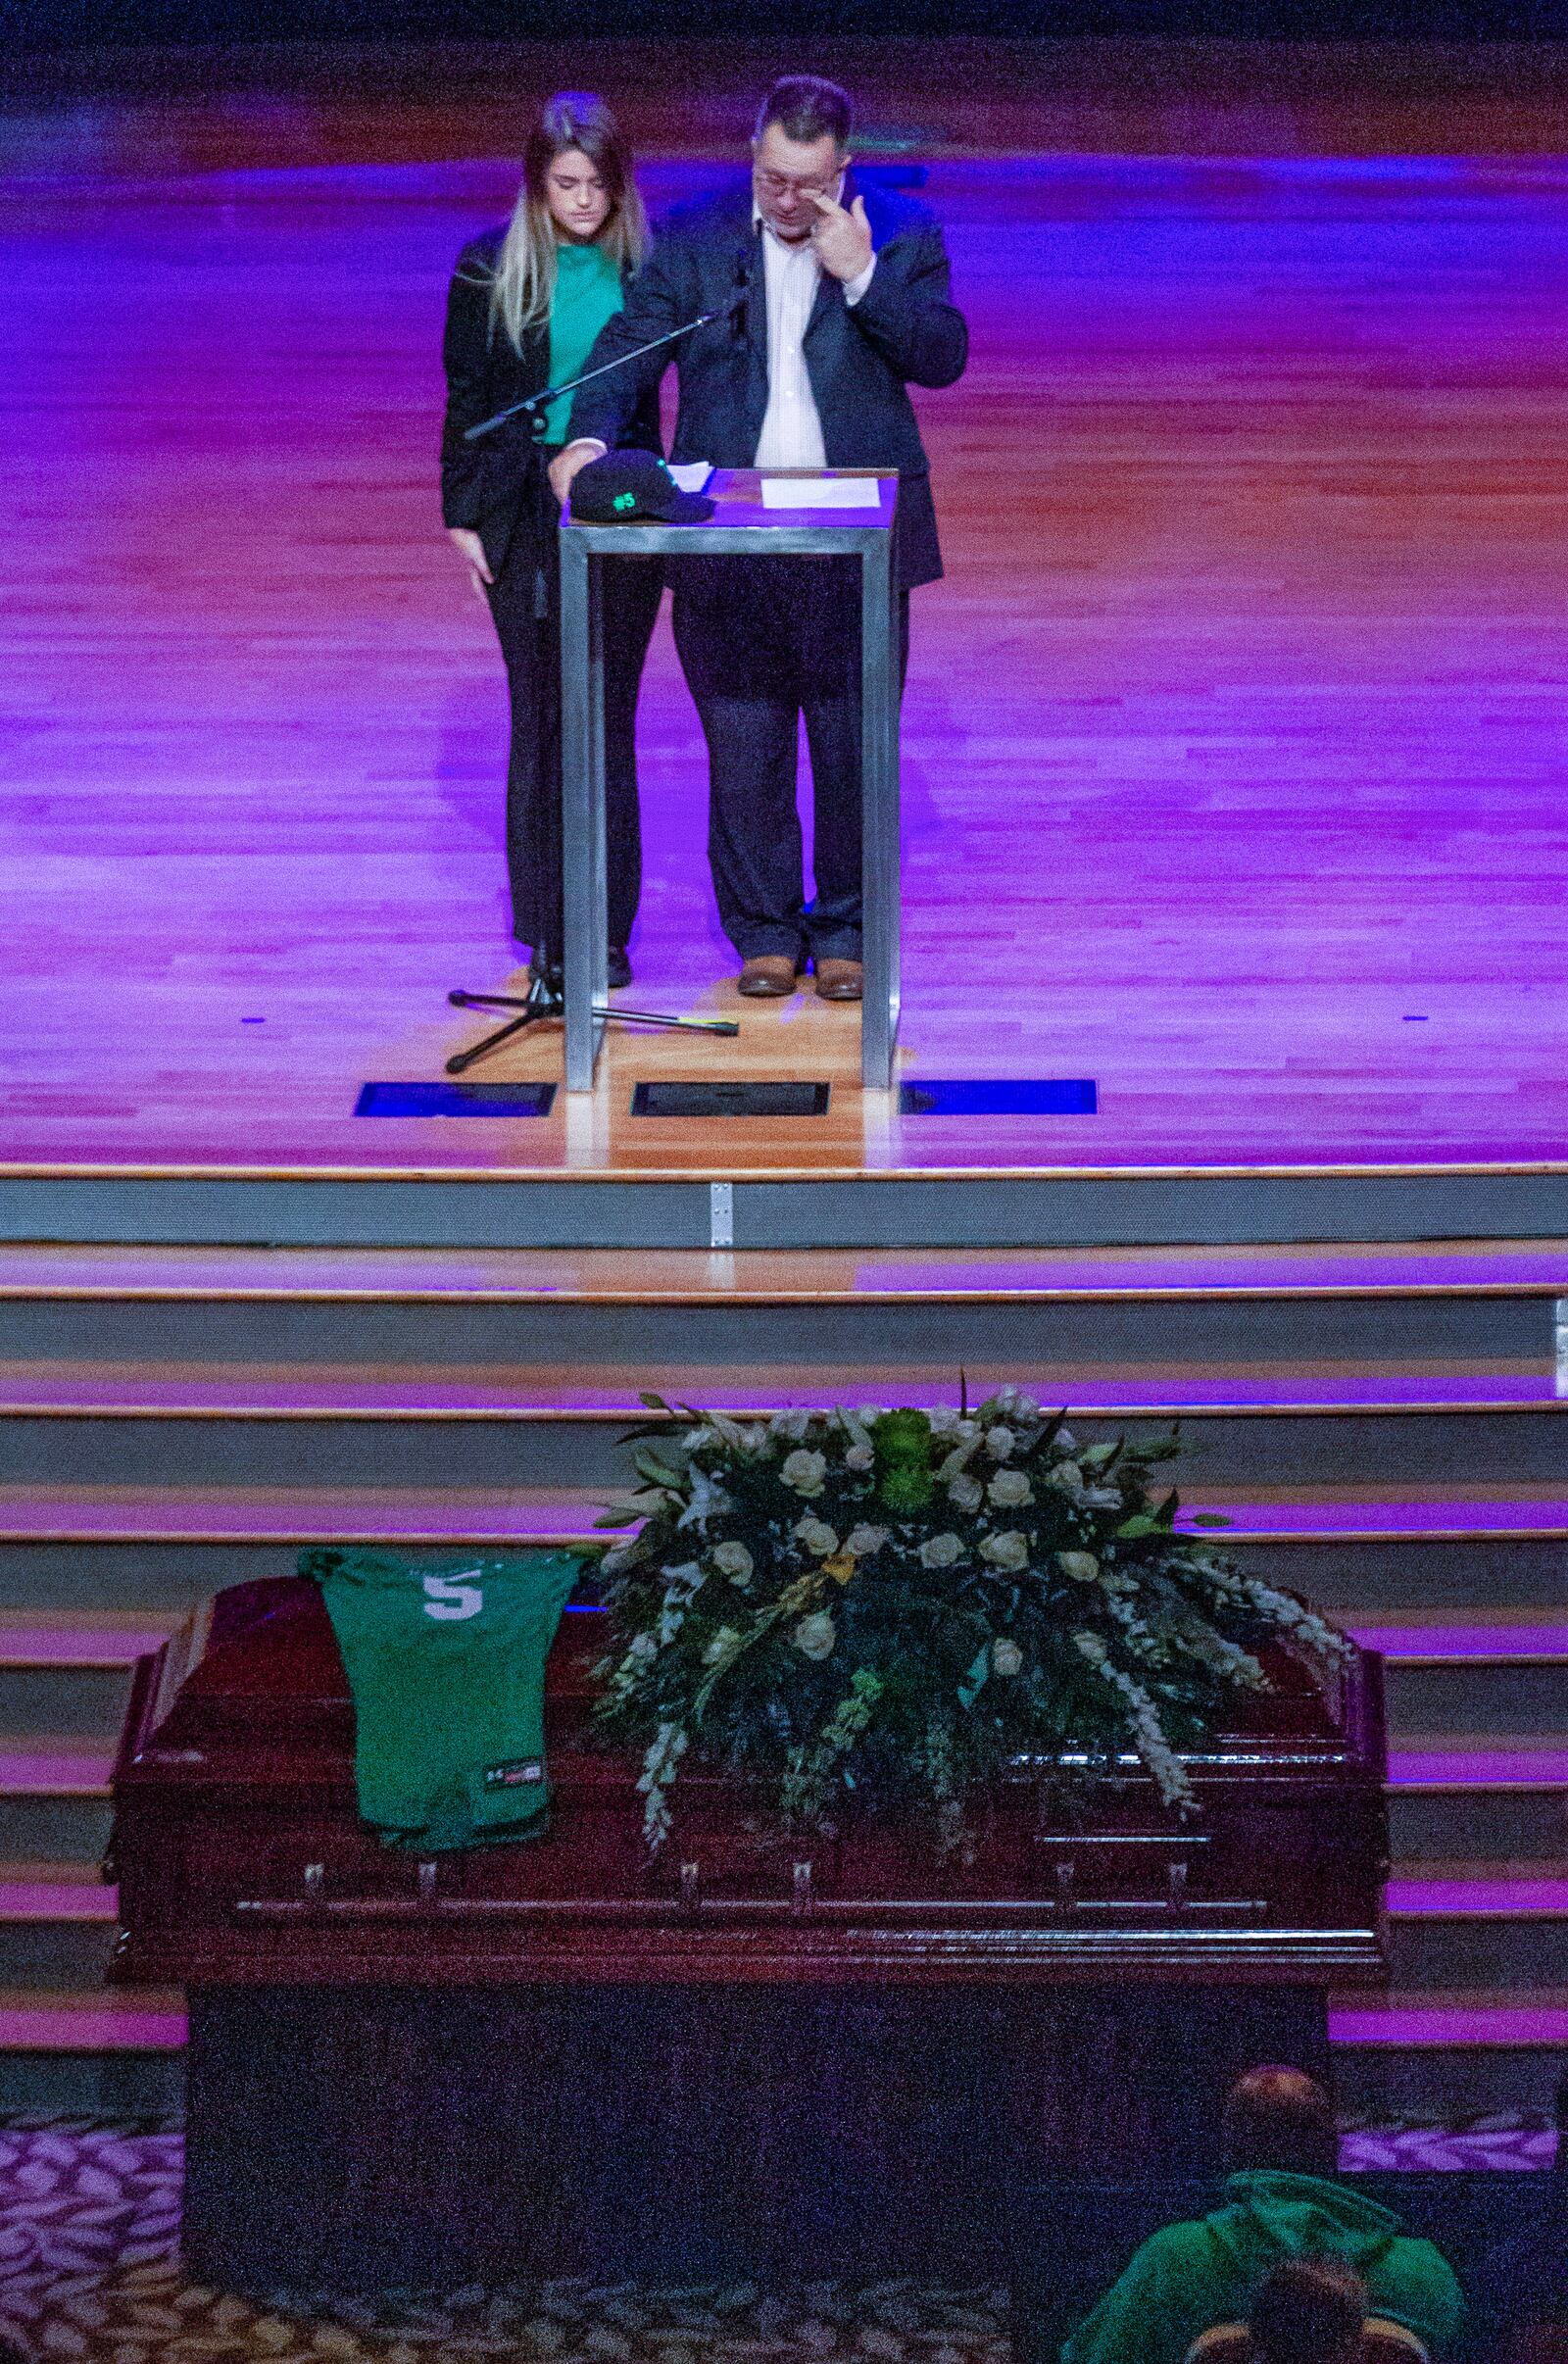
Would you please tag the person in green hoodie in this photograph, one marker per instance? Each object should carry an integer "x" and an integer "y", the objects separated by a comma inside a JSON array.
[{"x": 1284, "y": 2199}]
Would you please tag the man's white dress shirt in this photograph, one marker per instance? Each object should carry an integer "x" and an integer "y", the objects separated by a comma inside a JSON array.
[{"x": 792, "y": 431}]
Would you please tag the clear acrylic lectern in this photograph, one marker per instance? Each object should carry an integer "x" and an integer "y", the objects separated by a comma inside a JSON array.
[{"x": 740, "y": 527}]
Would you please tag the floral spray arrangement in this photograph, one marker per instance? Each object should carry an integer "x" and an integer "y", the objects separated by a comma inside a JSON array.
[{"x": 874, "y": 1611}]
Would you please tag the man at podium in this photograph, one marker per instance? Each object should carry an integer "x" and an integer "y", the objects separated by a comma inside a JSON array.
[{"x": 835, "y": 300}]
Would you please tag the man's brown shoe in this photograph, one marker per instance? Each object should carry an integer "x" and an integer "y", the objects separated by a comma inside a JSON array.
[
  {"x": 768, "y": 978},
  {"x": 837, "y": 980}
]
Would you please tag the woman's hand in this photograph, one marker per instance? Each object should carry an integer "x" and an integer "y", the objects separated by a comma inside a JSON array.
[{"x": 470, "y": 550}]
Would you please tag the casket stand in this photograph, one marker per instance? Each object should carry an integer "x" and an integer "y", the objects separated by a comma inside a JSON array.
[{"x": 742, "y": 2058}]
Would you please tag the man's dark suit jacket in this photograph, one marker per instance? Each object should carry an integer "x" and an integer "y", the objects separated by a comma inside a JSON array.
[
  {"x": 862, "y": 359},
  {"x": 496, "y": 484}
]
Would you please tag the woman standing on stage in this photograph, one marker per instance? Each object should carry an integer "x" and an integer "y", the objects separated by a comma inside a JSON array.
[{"x": 525, "y": 305}]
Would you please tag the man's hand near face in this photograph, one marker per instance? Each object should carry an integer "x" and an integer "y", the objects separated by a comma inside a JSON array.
[{"x": 842, "y": 237}]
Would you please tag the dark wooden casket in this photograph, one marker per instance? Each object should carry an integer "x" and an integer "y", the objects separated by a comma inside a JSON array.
[{"x": 746, "y": 2056}]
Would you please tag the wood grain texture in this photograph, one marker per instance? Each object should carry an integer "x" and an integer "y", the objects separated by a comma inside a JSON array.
[{"x": 1233, "y": 741}]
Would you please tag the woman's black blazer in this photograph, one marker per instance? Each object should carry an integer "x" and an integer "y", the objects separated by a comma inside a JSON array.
[{"x": 498, "y": 484}]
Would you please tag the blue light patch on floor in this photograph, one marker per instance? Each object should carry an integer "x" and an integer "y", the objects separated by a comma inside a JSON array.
[
  {"x": 1000, "y": 1095},
  {"x": 455, "y": 1100}
]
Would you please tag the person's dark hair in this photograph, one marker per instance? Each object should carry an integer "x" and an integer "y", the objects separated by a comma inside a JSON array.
[
  {"x": 1280, "y": 2117},
  {"x": 806, "y": 107},
  {"x": 1310, "y": 2310}
]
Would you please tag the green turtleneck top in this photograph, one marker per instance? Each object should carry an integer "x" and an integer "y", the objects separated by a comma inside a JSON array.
[{"x": 588, "y": 293}]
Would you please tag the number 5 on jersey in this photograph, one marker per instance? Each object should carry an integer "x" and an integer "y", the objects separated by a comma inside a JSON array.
[{"x": 451, "y": 1597}]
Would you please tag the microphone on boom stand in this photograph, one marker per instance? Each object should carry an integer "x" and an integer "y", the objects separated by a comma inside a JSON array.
[{"x": 536, "y": 405}]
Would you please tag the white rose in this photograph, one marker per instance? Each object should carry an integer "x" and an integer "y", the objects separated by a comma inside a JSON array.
[
  {"x": 1009, "y": 1550},
  {"x": 803, "y": 1472},
  {"x": 1010, "y": 1489},
  {"x": 1006, "y": 1658},
  {"x": 722, "y": 1647},
  {"x": 965, "y": 1493},
  {"x": 1101, "y": 1497},
  {"x": 859, "y": 1457},
  {"x": 816, "y": 1537},
  {"x": 1092, "y": 1647},
  {"x": 815, "y": 1636},
  {"x": 1082, "y": 1566},
  {"x": 732, "y": 1559},
  {"x": 791, "y": 1425},
  {"x": 864, "y": 1541},
  {"x": 867, "y": 1413},
  {"x": 944, "y": 1420},
  {"x": 687, "y": 1578},
  {"x": 642, "y": 1647},
  {"x": 1063, "y": 1445},
  {"x": 939, "y": 1551},
  {"x": 1068, "y": 1479},
  {"x": 1000, "y": 1441}
]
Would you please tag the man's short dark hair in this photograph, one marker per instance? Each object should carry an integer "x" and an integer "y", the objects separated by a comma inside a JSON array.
[
  {"x": 1310, "y": 2310},
  {"x": 806, "y": 107},
  {"x": 1282, "y": 2118}
]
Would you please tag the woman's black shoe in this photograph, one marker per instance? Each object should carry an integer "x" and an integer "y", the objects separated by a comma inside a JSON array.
[{"x": 619, "y": 970}]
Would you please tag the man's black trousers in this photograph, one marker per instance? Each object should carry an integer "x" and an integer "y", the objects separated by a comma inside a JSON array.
[{"x": 764, "y": 641}]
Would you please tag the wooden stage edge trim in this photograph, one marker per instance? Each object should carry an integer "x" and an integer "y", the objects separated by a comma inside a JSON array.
[{"x": 579, "y": 1176}]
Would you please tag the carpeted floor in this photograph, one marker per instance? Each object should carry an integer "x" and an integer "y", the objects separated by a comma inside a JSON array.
[
  {"x": 89, "y": 2271},
  {"x": 90, "y": 2274}
]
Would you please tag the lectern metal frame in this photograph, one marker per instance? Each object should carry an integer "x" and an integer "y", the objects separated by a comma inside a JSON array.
[{"x": 740, "y": 527}]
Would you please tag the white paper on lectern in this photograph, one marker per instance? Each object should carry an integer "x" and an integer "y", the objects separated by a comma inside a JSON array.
[
  {"x": 693, "y": 475},
  {"x": 821, "y": 492}
]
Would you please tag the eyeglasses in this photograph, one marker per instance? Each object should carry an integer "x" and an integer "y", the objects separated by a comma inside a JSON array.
[{"x": 779, "y": 184}]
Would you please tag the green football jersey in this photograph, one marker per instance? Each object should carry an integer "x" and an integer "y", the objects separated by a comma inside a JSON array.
[{"x": 447, "y": 1668}]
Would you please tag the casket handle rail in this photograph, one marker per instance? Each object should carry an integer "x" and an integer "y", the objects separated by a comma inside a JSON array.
[{"x": 693, "y": 1905}]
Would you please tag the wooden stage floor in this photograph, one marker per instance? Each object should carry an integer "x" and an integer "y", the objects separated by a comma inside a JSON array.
[{"x": 1234, "y": 745}]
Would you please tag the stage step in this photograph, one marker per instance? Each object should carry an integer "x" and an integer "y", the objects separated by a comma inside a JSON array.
[
  {"x": 1242, "y": 1428},
  {"x": 658, "y": 1195},
  {"x": 1448, "y": 2055},
  {"x": 54, "y": 1798},
  {"x": 1354, "y": 1578},
  {"x": 57, "y": 1927},
  {"x": 86, "y": 2052},
  {"x": 1347, "y": 1516},
  {"x": 830, "y": 1311},
  {"x": 1478, "y": 1926},
  {"x": 1473, "y": 1267}
]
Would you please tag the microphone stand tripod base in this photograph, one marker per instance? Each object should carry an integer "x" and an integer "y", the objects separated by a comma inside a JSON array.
[{"x": 543, "y": 1001}]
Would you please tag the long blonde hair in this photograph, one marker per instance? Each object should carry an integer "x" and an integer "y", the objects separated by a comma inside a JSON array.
[{"x": 524, "y": 284}]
